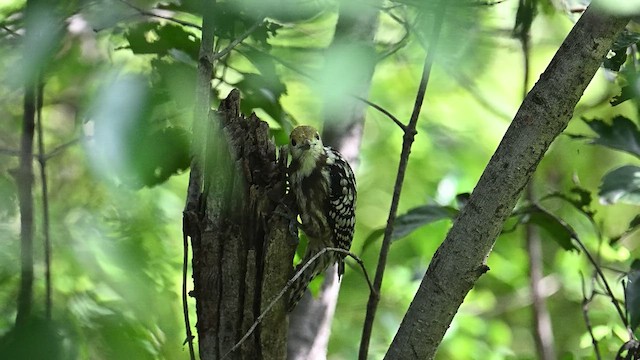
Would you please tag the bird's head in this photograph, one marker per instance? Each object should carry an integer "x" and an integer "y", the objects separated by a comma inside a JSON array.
[{"x": 305, "y": 144}]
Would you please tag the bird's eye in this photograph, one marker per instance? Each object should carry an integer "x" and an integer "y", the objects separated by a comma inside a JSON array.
[
  {"x": 293, "y": 142},
  {"x": 317, "y": 136}
]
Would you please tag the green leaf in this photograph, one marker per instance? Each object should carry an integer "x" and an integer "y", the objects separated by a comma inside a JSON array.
[
  {"x": 422, "y": 215},
  {"x": 622, "y": 134},
  {"x": 578, "y": 197},
  {"x": 621, "y": 185},
  {"x": 626, "y": 39},
  {"x": 626, "y": 93},
  {"x": 375, "y": 234},
  {"x": 632, "y": 294},
  {"x": 153, "y": 38},
  {"x": 615, "y": 62},
  {"x": 415, "y": 218},
  {"x": 633, "y": 225},
  {"x": 561, "y": 232}
]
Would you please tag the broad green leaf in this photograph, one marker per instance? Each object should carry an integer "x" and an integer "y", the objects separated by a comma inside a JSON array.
[
  {"x": 633, "y": 225},
  {"x": 621, "y": 185},
  {"x": 422, "y": 215},
  {"x": 559, "y": 230},
  {"x": 154, "y": 38},
  {"x": 632, "y": 294},
  {"x": 415, "y": 218},
  {"x": 375, "y": 234},
  {"x": 579, "y": 197},
  {"x": 622, "y": 134},
  {"x": 626, "y": 39},
  {"x": 626, "y": 93}
]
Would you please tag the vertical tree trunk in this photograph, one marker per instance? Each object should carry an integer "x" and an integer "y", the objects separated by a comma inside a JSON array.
[{"x": 242, "y": 249}]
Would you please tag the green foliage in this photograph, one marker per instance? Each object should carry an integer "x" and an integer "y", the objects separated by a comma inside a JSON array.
[
  {"x": 415, "y": 218},
  {"x": 119, "y": 91},
  {"x": 621, "y": 185},
  {"x": 632, "y": 294},
  {"x": 622, "y": 134}
]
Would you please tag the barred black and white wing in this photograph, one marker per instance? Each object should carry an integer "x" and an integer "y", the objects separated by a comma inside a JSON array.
[{"x": 341, "y": 204}]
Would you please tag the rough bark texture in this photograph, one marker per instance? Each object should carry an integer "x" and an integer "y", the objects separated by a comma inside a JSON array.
[
  {"x": 242, "y": 250},
  {"x": 544, "y": 114},
  {"x": 310, "y": 322}
]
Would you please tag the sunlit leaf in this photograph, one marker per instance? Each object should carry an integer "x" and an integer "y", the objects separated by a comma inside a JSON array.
[
  {"x": 621, "y": 185},
  {"x": 622, "y": 134},
  {"x": 578, "y": 197},
  {"x": 633, "y": 226},
  {"x": 626, "y": 93},
  {"x": 154, "y": 38}
]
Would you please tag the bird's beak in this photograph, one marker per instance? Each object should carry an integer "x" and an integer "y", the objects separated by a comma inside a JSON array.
[{"x": 306, "y": 145}]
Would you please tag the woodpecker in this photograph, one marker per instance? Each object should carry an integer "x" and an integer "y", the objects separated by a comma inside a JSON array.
[{"x": 324, "y": 188}]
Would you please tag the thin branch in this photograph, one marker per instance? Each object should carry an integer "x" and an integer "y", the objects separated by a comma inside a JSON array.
[
  {"x": 9, "y": 152},
  {"x": 238, "y": 40},
  {"x": 60, "y": 148},
  {"x": 606, "y": 285},
  {"x": 45, "y": 202},
  {"x": 288, "y": 286},
  {"x": 409, "y": 135},
  {"x": 159, "y": 16},
  {"x": 202, "y": 107},
  {"x": 384, "y": 111},
  {"x": 585, "y": 314},
  {"x": 185, "y": 303},
  {"x": 10, "y": 31},
  {"x": 46, "y": 157}
]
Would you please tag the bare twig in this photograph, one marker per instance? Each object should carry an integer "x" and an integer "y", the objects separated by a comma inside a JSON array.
[
  {"x": 10, "y": 31},
  {"x": 238, "y": 40},
  {"x": 605, "y": 283},
  {"x": 585, "y": 315},
  {"x": 288, "y": 286},
  {"x": 60, "y": 148},
  {"x": 185, "y": 303},
  {"x": 384, "y": 111},
  {"x": 9, "y": 152},
  {"x": 409, "y": 134},
  {"x": 200, "y": 115},
  {"x": 159, "y": 16},
  {"x": 56, "y": 151}
]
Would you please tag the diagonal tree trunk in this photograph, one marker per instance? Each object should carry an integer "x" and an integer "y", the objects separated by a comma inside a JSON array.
[{"x": 543, "y": 115}]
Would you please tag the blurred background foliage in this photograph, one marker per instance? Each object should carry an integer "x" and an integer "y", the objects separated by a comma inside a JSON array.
[{"x": 119, "y": 80}]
